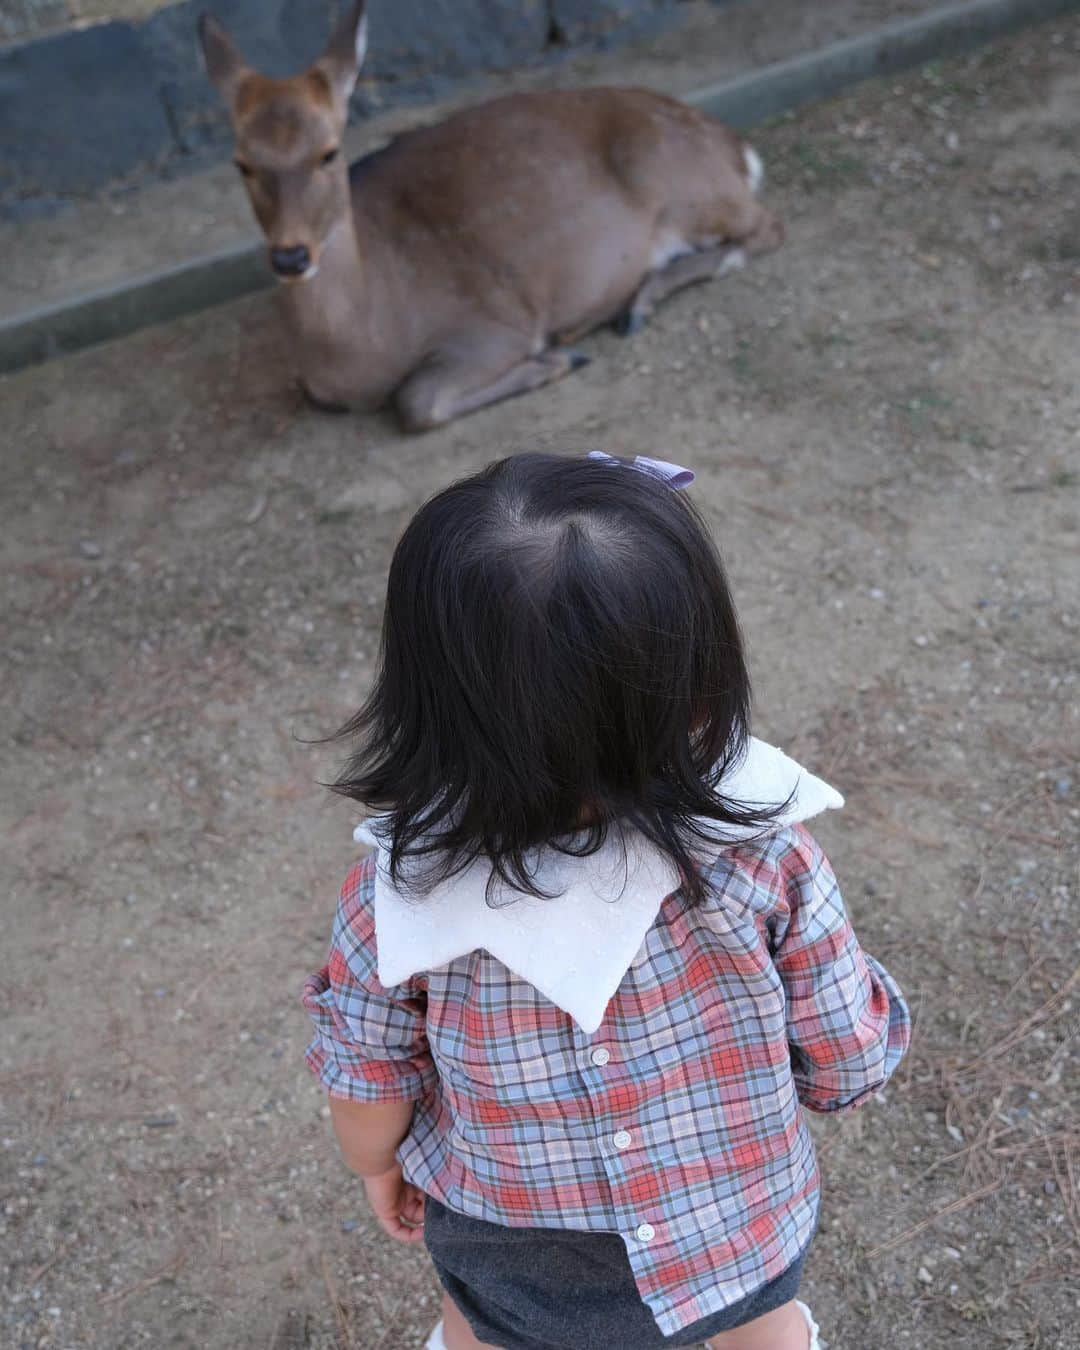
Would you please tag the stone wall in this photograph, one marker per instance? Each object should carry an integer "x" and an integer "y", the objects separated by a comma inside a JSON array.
[
  {"x": 25, "y": 19},
  {"x": 117, "y": 101}
]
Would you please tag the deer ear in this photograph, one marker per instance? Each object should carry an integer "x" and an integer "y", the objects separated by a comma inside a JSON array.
[
  {"x": 345, "y": 51},
  {"x": 224, "y": 64}
]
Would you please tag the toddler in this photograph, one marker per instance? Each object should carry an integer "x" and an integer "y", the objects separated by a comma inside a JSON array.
[{"x": 595, "y": 966}]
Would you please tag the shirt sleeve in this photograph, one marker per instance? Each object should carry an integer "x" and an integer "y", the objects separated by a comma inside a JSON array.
[
  {"x": 848, "y": 1025},
  {"x": 370, "y": 1042}
]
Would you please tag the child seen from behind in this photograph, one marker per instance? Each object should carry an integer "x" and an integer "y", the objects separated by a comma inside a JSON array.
[{"x": 595, "y": 966}]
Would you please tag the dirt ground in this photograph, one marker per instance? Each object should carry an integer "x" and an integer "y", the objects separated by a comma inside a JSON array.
[{"x": 885, "y": 419}]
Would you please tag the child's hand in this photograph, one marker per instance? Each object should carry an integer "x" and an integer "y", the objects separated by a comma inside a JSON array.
[{"x": 398, "y": 1205}]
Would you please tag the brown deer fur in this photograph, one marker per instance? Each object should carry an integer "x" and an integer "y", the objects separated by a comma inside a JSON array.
[{"x": 453, "y": 267}]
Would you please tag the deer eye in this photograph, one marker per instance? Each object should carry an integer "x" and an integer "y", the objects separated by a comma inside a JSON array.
[
  {"x": 330, "y": 156},
  {"x": 245, "y": 169}
]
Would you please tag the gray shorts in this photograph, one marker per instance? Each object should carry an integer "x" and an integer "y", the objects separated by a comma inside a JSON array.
[{"x": 555, "y": 1289}]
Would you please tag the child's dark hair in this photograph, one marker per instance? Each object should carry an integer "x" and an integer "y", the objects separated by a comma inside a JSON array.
[{"x": 560, "y": 657}]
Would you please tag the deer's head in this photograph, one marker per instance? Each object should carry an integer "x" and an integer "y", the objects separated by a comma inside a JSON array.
[{"x": 288, "y": 139}]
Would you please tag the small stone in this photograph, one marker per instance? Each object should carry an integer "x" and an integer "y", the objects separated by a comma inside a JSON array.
[
  {"x": 924, "y": 1276},
  {"x": 952, "y": 141},
  {"x": 921, "y": 640},
  {"x": 89, "y": 549},
  {"x": 1063, "y": 787},
  {"x": 348, "y": 1225}
]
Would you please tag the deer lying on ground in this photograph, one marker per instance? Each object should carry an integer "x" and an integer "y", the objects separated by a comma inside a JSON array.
[{"x": 458, "y": 265}]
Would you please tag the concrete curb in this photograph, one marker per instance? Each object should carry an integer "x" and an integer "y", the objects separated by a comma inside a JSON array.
[
  {"x": 157, "y": 297},
  {"x": 117, "y": 310}
]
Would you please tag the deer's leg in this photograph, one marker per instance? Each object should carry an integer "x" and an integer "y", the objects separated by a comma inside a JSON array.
[
  {"x": 446, "y": 386},
  {"x": 747, "y": 231},
  {"x": 684, "y": 271}
]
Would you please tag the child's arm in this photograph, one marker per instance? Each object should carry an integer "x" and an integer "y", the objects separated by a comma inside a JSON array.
[
  {"x": 848, "y": 1024},
  {"x": 370, "y": 1051},
  {"x": 368, "y": 1134}
]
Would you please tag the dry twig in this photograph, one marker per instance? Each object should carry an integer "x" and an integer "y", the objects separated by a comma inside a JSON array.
[
  {"x": 344, "y": 1329},
  {"x": 909, "y": 1233},
  {"x": 165, "y": 1272},
  {"x": 37, "y": 1275}
]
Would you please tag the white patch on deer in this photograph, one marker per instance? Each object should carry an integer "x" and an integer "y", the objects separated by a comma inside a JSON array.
[
  {"x": 361, "y": 42},
  {"x": 360, "y": 46},
  {"x": 666, "y": 248},
  {"x": 734, "y": 262},
  {"x": 755, "y": 170}
]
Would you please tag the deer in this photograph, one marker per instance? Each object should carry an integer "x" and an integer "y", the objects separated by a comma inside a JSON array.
[{"x": 461, "y": 263}]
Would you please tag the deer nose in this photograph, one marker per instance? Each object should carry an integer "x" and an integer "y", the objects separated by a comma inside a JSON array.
[{"x": 292, "y": 261}]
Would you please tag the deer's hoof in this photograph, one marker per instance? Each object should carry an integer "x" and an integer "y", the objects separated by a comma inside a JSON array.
[{"x": 628, "y": 322}]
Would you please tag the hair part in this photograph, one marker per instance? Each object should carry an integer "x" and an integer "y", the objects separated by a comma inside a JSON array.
[{"x": 560, "y": 658}]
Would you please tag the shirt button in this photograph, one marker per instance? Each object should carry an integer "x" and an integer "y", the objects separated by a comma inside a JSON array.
[
  {"x": 622, "y": 1139},
  {"x": 645, "y": 1233},
  {"x": 600, "y": 1056}
]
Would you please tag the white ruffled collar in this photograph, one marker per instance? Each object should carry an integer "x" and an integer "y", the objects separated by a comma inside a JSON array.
[{"x": 576, "y": 947}]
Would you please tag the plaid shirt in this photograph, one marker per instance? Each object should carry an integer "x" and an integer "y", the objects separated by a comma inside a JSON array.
[{"x": 677, "y": 1124}]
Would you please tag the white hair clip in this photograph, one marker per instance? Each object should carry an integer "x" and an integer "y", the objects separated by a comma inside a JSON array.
[{"x": 674, "y": 475}]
